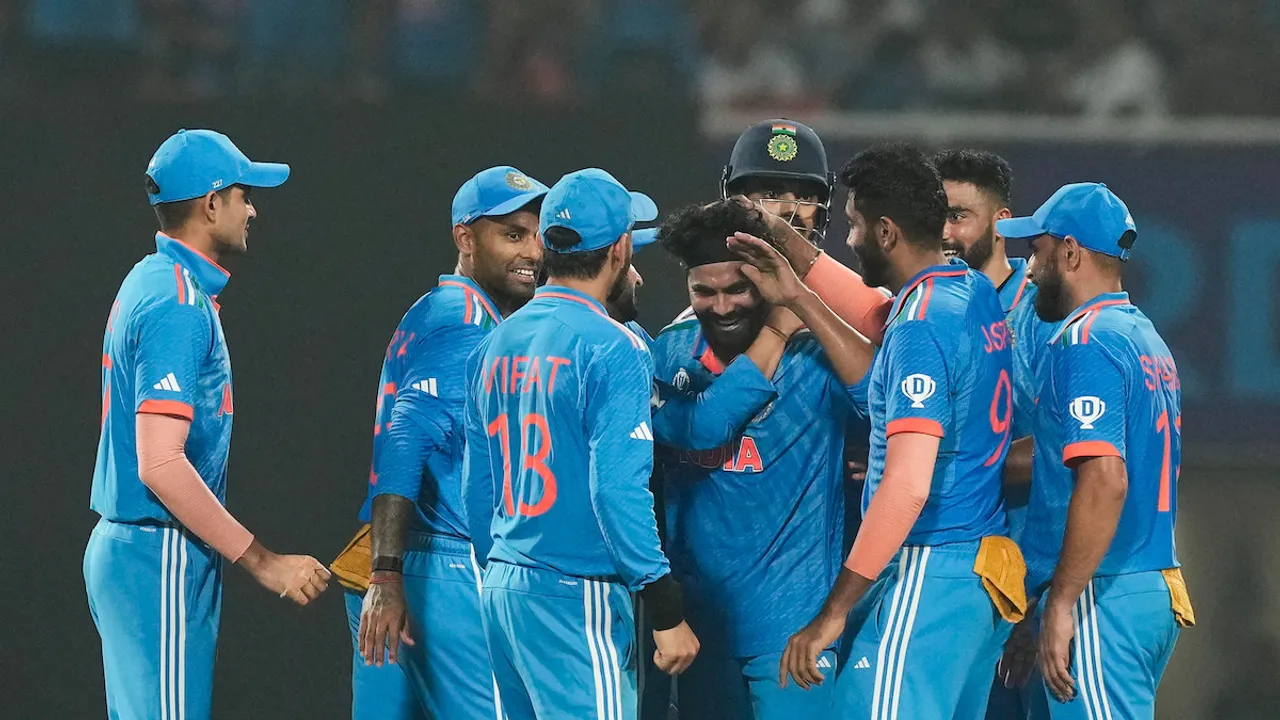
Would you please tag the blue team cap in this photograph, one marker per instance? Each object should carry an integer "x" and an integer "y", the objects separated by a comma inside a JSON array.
[
  {"x": 595, "y": 205},
  {"x": 497, "y": 191},
  {"x": 192, "y": 163},
  {"x": 1088, "y": 212}
]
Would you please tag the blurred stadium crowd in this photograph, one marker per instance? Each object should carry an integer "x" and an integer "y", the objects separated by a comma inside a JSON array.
[{"x": 1099, "y": 58}]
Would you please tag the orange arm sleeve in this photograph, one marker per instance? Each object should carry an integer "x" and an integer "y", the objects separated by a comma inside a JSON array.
[
  {"x": 164, "y": 468},
  {"x": 908, "y": 475},
  {"x": 865, "y": 308}
]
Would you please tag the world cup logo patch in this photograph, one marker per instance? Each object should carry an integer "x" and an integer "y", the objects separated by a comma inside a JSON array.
[
  {"x": 1087, "y": 409},
  {"x": 918, "y": 388}
]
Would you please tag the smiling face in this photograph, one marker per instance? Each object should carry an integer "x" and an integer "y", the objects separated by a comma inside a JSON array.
[
  {"x": 727, "y": 305},
  {"x": 506, "y": 256},
  {"x": 970, "y": 232}
]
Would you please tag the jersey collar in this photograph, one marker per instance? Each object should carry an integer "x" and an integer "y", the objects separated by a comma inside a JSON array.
[
  {"x": 469, "y": 287},
  {"x": 955, "y": 268},
  {"x": 561, "y": 293},
  {"x": 1101, "y": 301},
  {"x": 703, "y": 353},
  {"x": 209, "y": 275}
]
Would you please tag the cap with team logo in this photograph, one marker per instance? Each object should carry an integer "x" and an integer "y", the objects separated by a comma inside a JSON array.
[
  {"x": 192, "y": 163},
  {"x": 497, "y": 191},
  {"x": 595, "y": 205},
  {"x": 1088, "y": 212}
]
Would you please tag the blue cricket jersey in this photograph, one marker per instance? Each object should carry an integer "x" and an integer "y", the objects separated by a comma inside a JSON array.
[
  {"x": 1110, "y": 388},
  {"x": 755, "y": 523},
  {"x": 943, "y": 369},
  {"x": 418, "y": 434},
  {"x": 1027, "y": 337},
  {"x": 559, "y": 445},
  {"x": 163, "y": 352}
]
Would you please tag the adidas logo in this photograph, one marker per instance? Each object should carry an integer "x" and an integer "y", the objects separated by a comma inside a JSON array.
[
  {"x": 642, "y": 432},
  {"x": 824, "y": 663},
  {"x": 427, "y": 386},
  {"x": 168, "y": 382},
  {"x": 862, "y": 664},
  {"x": 564, "y": 214}
]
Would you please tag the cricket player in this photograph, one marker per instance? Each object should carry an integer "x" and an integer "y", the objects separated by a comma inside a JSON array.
[
  {"x": 423, "y": 586},
  {"x": 556, "y": 478},
  {"x": 1099, "y": 539},
  {"x": 756, "y": 522},
  {"x": 979, "y": 186},
  {"x": 933, "y": 580},
  {"x": 153, "y": 565}
]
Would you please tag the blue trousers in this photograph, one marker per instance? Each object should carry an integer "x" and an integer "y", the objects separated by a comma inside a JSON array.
[
  {"x": 155, "y": 593},
  {"x": 562, "y": 646},
  {"x": 1125, "y": 635},
  {"x": 747, "y": 688},
  {"x": 446, "y": 671},
  {"x": 924, "y": 641},
  {"x": 377, "y": 693}
]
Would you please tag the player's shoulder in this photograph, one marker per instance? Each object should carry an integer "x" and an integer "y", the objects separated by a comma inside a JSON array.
[
  {"x": 158, "y": 287},
  {"x": 453, "y": 302},
  {"x": 600, "y": 329},
  {"x": 678, "y": 338}
]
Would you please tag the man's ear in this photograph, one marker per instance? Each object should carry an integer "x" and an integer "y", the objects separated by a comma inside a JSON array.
[
  {"x": 464, "y": 238},
  {"x": 210, "y": 204},
  {"x": 620, "y": 251},
  {"x": 888, "y": 234},
  {"x": 1070, "y": 254}
]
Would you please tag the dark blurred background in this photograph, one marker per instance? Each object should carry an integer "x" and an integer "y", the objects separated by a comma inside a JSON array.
[{"x": 383, "y": 107}]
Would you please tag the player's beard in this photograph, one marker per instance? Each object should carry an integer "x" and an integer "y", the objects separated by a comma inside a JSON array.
[
  {"x": 622, "y": 302},
  {"x": 1051, "y": 293},
  {"x": 976, "y": 255},
  {"x": 875, "y": 264},
  {"x": 731, "y": 342}
]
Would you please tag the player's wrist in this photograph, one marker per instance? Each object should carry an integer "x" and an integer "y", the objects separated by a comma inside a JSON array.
[
  {"x": 808, "y": 257},
  {"x": 254, "y": 557},
  {"x": 663, "y": 603},
  {"x": 383, "y": 577}
]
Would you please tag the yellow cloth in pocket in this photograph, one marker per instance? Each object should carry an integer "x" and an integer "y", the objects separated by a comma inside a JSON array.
[
  {"x": 355, "y": 562},
  {"x": 1179, "y": 597},
  {"x": 1004, "y": 575}
]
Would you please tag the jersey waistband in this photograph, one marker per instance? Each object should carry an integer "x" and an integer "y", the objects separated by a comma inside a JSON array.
[
  {"x": 147, "y": 532},
  {"x": 541, "y": 581},
  {"x": 427, "y": 542}
]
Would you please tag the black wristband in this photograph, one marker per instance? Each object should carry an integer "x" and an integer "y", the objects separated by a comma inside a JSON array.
[
  {"x": 663, "y": 603},
  {"x": 388, "y": 563}
]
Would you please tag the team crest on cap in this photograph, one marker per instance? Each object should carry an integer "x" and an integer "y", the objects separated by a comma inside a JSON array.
[
  {"x": 518, "y": 181},
  {"x": 782, "y": 148}
]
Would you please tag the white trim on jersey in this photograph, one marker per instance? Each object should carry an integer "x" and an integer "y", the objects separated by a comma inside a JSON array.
[
  {"x": 426, "y": 385},
  {"x": 191, "y": 290},
  {"x": 168, "y": 382}
]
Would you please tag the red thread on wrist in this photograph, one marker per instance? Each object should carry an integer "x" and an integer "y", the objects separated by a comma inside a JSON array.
[{"x": 389, "y": 578}]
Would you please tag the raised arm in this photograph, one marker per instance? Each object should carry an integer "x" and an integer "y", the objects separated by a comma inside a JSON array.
[{"x": 849, "y": 352}]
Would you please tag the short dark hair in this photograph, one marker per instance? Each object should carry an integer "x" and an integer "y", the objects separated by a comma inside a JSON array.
[
  {"x": 578, "y": 265},
  {"x": 699, "y": 231},
  {"x": 173, "y": 215},
  {"x": 985, "y": 170},
  {"x": 897, "y": 181}
]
